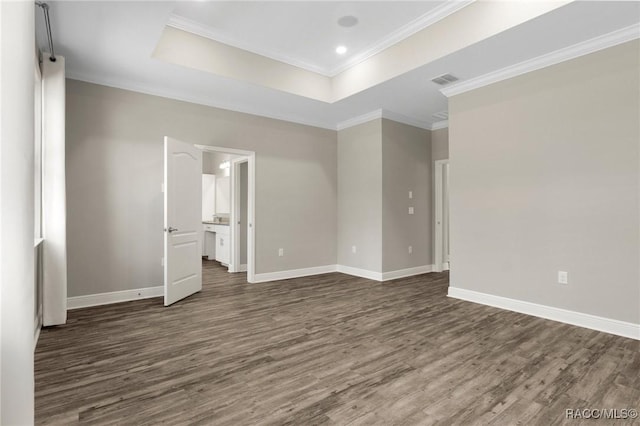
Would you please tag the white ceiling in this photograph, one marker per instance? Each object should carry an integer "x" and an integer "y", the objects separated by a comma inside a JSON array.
[
  {"x": 111, "y": 43},
  {"x": 306, "y": 34}
]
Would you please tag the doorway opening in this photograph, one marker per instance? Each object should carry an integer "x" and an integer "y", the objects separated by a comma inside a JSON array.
[
  {"x": 185, "y": 226},
  {"x": 228, "y": 210},
  {"x": 441, "y": 216}
]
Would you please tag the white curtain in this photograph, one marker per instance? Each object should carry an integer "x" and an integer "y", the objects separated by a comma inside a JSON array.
[{"x": 54, "y": 205}]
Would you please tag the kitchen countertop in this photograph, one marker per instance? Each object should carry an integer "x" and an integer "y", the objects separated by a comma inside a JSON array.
[{"x": 214, "y": 223}]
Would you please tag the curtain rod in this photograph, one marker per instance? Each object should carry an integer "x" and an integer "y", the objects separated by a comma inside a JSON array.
[{"x": 45, "y": 10}]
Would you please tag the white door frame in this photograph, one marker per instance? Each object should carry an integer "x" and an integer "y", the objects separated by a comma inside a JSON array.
[
  {"x": 251, "y": 214},
  {"x": 235, "y": 264},
  {"x": 439, "y": 263}
]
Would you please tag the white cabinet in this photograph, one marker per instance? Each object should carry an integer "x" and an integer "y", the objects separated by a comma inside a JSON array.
[
  {"x": 208, "y": 241},
  {"x": 217, "y": 243},
  {"x": 223, "y": 244}
]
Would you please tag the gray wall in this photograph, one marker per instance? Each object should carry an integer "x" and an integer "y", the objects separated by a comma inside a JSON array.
[
  {"x": 406, "y": 166},
  {"x": 114, "y": 172},
  {"x": 440, "y": 144},
  {"x": 379, "y": 162},
  {"x": 545, "y": 177},
  {"x": 360, "y": 196},
  {"x": 211, "y": 162}
]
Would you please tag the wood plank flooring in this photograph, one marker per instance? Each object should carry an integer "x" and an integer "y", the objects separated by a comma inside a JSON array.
[{"x": 331, "y": 349}]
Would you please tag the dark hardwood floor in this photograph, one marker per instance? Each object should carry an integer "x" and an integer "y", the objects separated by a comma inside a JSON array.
[{"x": 326, "y": 349}]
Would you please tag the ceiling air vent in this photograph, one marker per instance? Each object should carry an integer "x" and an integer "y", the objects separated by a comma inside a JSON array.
[
  {"x": 442, "y": 115},
  {"x": 444, "y": 79}
]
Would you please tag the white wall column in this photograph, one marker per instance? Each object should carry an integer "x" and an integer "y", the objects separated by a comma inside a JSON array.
[{"x": 17, "y": 61}]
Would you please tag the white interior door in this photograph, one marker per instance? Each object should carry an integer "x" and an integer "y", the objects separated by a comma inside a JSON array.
[{"x": 182, "y": 221}]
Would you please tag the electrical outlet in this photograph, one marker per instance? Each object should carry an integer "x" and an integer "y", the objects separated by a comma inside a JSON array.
[
  {"x": 353, "y": 249},
  {"x": 281, "y": 252},
  {"x": 410, "y": 249},
  {"x": 563, "y": 277},
  {"x": 410, "y": 210},
  {"x": 410, "y": 194}
]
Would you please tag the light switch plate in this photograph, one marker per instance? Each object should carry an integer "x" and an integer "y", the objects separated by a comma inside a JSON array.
[{"x": 410, "y": 210}]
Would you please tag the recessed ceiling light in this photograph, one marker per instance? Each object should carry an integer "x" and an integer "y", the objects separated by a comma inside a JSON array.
[
  {"x": 341, "y": 50},
  {"x": 348, "y": 21}
]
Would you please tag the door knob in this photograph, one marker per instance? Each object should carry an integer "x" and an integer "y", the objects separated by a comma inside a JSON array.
[{"x": 171, "y": 229}]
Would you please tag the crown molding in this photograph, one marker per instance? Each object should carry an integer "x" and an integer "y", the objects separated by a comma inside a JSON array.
[
  {"x": 360, "y": 119},
  {"x": 440, "y": 125},
  {"x": 422, "y": 22},
  {"x": 164, "y": 93},
  {"x": 611, "y": 39},
  {"x": 188, "y": 25},
  {"x": 411, "y": 121},
  {"x": 418, "y": 24},
  {"x": 380, "y": 113}
]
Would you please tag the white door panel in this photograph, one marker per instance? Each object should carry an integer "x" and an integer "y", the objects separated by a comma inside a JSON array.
[{"x": 182, "y": 220}]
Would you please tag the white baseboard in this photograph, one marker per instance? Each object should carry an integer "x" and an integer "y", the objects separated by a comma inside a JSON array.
[
  {"x": 357, "y": 272},
  {"x": 619, "y": 328},
  {"x": 113, "y": 297},
  {"x": 293, "y": 273},
  {"x": 385, "y": 276},
  {"x": 409, "y": 272},
  {"x": 363, "y": 273},
  {"x": 145, "y": 293},
  {"x": 243, "y": 268}
]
